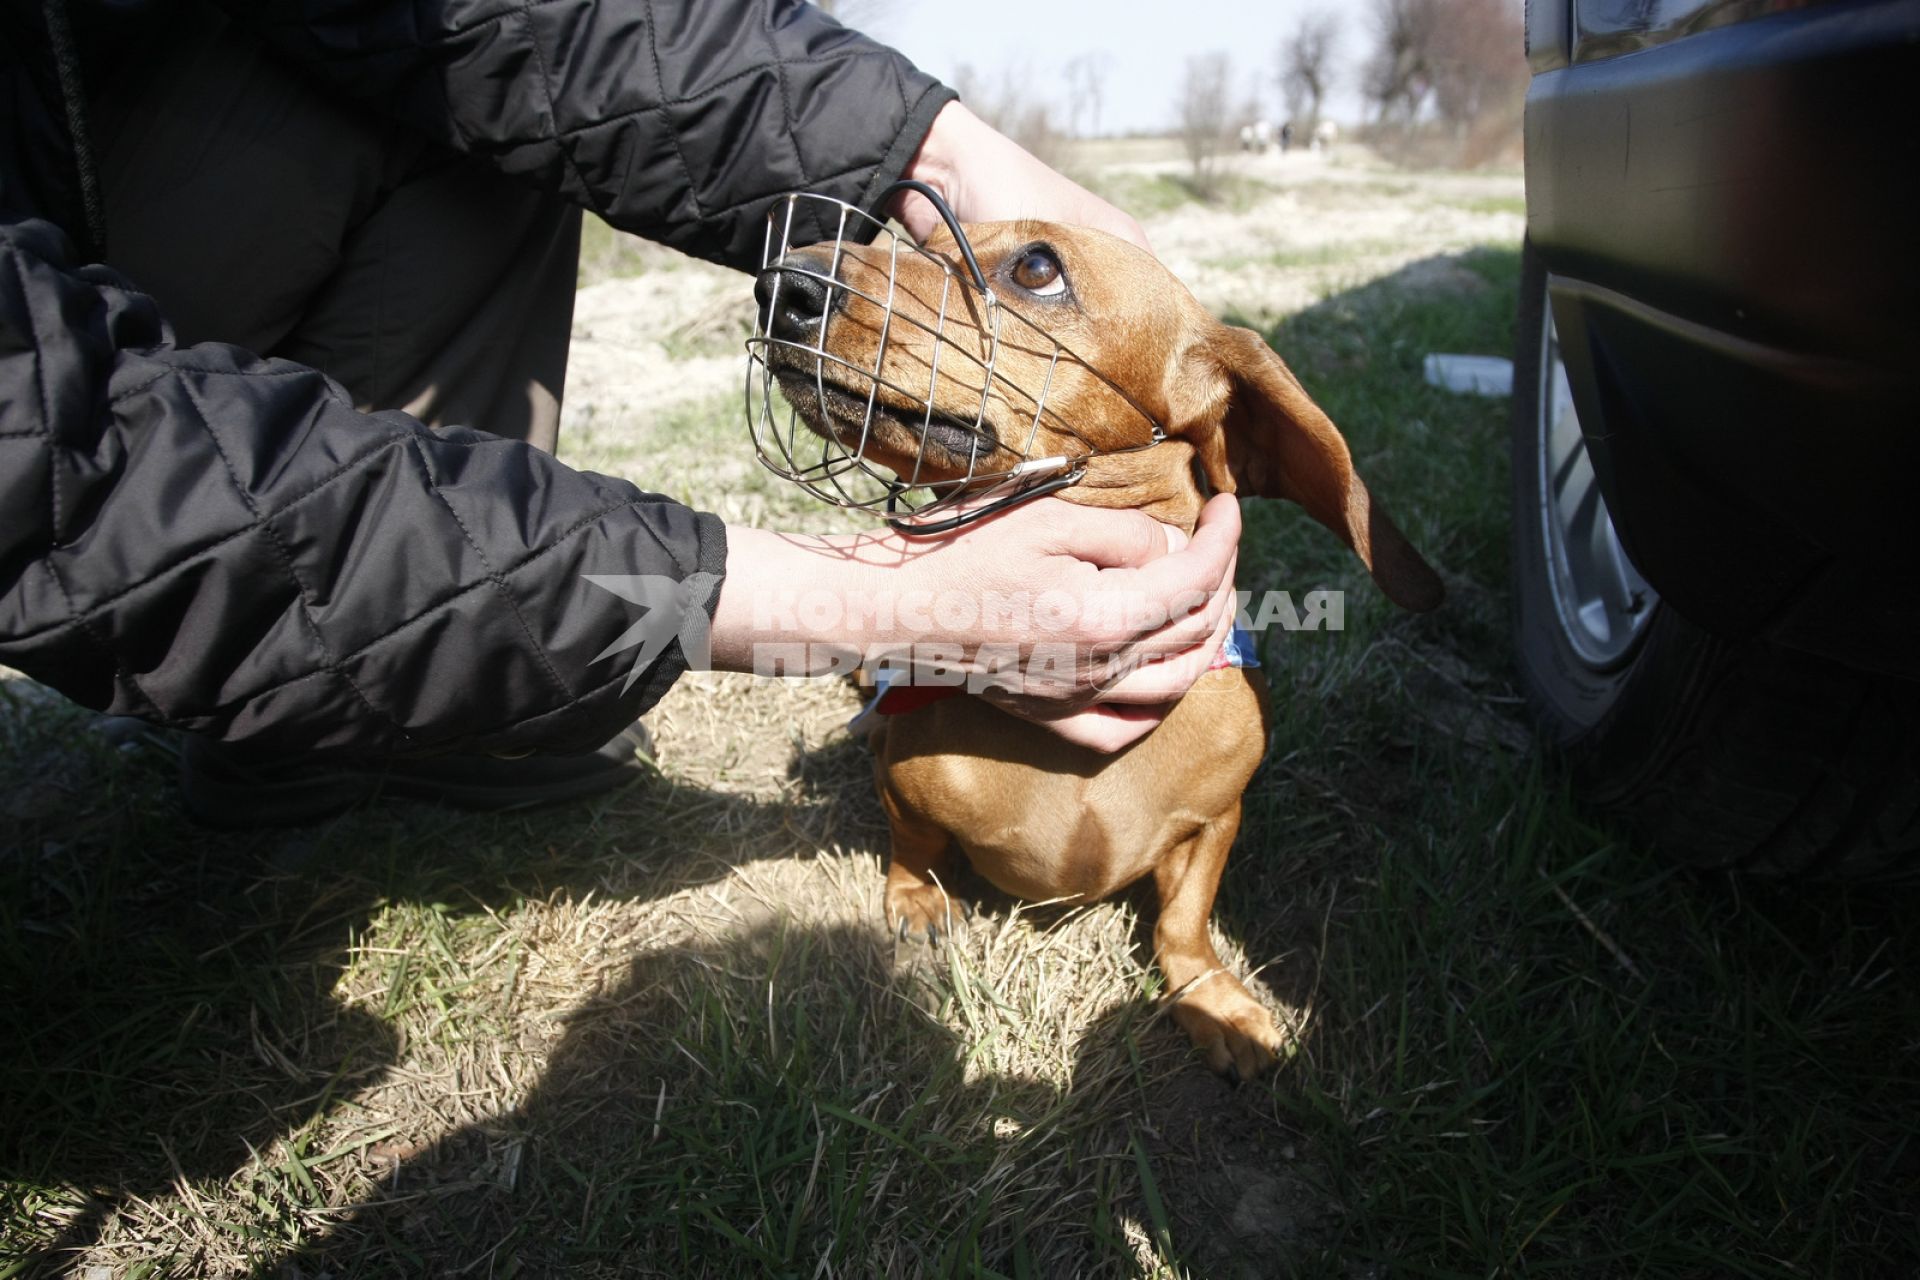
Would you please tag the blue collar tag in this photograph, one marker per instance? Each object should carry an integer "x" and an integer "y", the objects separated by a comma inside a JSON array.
[{"x": 1238, "y": 649}]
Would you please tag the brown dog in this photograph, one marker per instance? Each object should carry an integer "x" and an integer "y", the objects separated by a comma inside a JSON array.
[{"x": 1037, "y": 816}]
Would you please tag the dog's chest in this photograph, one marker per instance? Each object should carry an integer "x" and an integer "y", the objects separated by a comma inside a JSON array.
[{"x": 1041, "y": 817}]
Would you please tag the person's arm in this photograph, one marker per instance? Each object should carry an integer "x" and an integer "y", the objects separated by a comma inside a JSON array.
[
  {"x": 680, "y": 120},
  {"x": 210, "y": 540}
]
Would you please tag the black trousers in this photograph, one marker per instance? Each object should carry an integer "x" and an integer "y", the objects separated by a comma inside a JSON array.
[{"x": 257, "y": 211}]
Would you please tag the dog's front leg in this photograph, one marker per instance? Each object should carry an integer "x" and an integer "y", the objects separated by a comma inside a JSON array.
[
  {"x": 1225, "y": 1022},
  {"x": 917, "y": 906}
]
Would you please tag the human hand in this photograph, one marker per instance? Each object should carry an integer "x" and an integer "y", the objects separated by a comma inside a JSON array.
[
  {"x": 988, "y": 177},
  {"x": 1149, "y": 610},
  {"x": 1089, "y": 621}
]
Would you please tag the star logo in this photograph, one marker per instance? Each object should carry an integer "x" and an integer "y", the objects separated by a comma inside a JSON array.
[{"x": 676, "y": 609}]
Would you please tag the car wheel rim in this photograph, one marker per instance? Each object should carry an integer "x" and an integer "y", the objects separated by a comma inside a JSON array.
[{"x": 1601, "y": 602}]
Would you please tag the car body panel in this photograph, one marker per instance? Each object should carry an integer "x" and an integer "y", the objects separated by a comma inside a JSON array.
[{"x": 1731, "y": 226}]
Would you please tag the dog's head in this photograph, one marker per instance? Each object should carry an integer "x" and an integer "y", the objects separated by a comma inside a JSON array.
[{"x": 1095, "y": 342}]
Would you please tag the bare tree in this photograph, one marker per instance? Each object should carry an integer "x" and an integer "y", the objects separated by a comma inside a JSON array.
[
  {"x": 1306, "y": 68},
  {"x": 1464, "y": 57},
  {"x": 1010, "y": 107},
  {"x": 1477, "y": 62},
  {"x": 1206, "y": 110},
  {"x": 1399, "y": 76},
  {"x": 1086, "y": 92}
]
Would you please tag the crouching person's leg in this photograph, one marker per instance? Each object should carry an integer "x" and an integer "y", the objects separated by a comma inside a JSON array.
[{"x": 258, "y": 212}]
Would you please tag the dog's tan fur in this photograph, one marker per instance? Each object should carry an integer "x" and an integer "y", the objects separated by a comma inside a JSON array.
[{"x": 1037, "y": 816}]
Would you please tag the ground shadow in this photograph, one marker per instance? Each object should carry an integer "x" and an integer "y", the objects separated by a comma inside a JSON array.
[
  {"x": 167, "y": 995},
  {"x": 198, "y": 1005},
  {"x": 741, "y": 1105}
]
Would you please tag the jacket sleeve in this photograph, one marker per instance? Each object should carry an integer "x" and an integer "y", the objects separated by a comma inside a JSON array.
[
  {"x": 679, "y": 120},
  {"x": 222, "y": 543}
]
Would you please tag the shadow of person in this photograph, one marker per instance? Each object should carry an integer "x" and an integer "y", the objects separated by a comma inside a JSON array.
[
  {"x": 769, "y": 1073},
  {"x": 171, "y": 997},
  {"x": 786, "y": 1090},
  {"x": 184, "y": 1000},
  {"x": 733, "y": 1104}
]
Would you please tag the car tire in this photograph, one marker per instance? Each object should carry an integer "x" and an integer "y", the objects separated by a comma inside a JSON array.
[{"x": 1719, "y": 753}]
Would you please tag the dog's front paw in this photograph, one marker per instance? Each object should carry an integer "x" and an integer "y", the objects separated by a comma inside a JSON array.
[
  {"x": 921, "y": 911},
  {"x": 1231, "y": 1029}
]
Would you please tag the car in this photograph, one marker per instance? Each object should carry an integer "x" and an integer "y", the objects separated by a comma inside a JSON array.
[{"x": 1716, "y": 424}]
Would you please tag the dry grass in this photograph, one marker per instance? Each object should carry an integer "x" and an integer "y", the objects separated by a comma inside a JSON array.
[{"x": 664, "y": 1034}]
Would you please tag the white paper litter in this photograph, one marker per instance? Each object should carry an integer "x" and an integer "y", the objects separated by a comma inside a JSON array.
[{"x": 1471, "y": 375}]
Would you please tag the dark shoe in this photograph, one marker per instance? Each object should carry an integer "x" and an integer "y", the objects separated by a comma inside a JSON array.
[{"x": 230, "y": 786}]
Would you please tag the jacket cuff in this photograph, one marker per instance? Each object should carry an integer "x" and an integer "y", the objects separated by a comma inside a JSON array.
[
  {"x": 906, "y": 144},
  {"x": 712, "y": 555}
]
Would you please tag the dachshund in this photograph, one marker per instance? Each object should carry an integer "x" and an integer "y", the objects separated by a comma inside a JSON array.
[{"x": 1037, "y": 816}]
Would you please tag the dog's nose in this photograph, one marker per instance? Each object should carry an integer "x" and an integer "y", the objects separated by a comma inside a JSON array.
[{"x": 794, "y": 295}]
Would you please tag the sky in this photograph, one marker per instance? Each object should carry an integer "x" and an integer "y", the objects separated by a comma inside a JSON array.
[{"x": 1147, "y": 45}]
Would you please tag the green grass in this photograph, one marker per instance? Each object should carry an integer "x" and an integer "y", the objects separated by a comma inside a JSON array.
[
  {"x": 1342, "y": 254},
  {"x": 1516, "y": 205},
  {"x": 660, "y": 1035}
]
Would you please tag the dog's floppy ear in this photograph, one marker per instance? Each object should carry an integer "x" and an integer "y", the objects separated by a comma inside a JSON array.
[{"x": 1256, "y": 431}]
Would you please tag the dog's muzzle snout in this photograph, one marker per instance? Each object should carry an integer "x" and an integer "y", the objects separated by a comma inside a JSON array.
[
  {"x": 794, "y": 297},
  {"x": 896, "y": 418}
]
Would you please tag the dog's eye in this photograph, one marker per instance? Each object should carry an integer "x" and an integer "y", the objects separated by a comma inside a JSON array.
[{"x": 1038, "y": 272}]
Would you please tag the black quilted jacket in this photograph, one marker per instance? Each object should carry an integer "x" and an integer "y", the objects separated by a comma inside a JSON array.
[{"x": 211, "y": 540}]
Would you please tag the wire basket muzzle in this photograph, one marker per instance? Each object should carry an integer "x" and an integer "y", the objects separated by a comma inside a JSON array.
[{"x": 880, "y": 390}]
